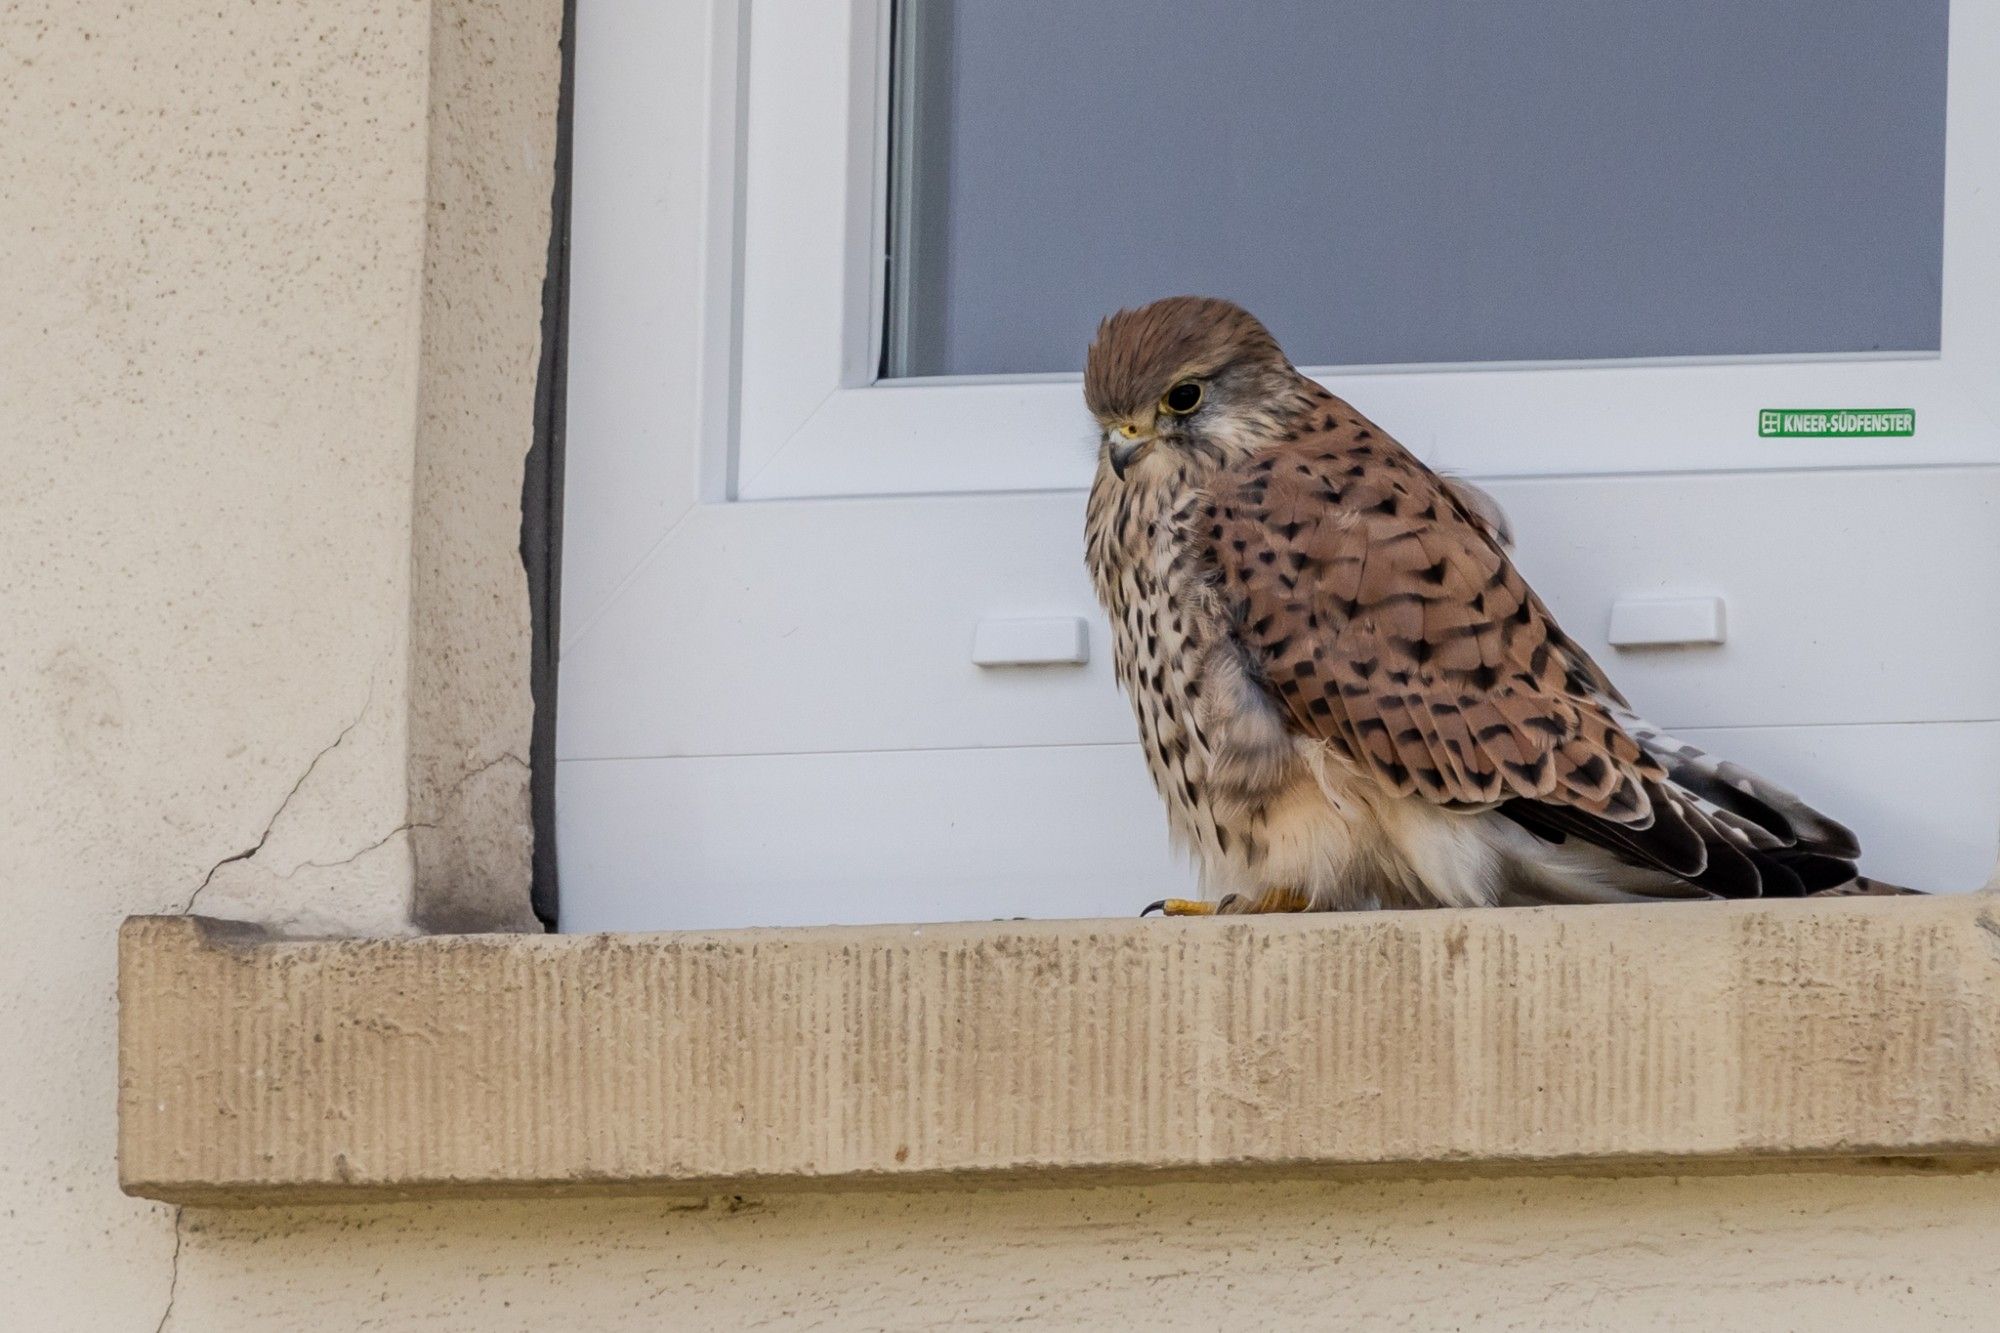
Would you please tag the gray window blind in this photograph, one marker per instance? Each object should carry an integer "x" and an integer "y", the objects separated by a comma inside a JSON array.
[{"x": 1419, "y": 181}]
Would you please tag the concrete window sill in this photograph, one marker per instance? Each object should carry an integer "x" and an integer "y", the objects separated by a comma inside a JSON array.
[{"x": 260, "y": 1070}]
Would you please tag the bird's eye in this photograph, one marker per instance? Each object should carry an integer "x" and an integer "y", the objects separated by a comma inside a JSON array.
[{"x": 1183, "y": 398}]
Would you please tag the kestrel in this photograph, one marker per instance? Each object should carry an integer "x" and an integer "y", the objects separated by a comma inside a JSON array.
[{"x": 1347, "y": 695}]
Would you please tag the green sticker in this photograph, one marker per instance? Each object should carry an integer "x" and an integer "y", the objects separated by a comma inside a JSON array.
[{"x": 1835, "y": 422}]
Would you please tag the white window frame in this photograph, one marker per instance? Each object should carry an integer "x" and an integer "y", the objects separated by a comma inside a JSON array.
[{"x": 807, "y": 415}]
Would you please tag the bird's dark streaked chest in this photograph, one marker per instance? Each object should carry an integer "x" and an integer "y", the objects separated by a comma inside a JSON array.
[{"x": 1149, "y": 569}]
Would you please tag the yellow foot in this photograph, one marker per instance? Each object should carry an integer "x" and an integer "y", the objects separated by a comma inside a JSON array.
[
  {"x": 1180, "y": 907},
  {"x": 1271, "y": 900}
]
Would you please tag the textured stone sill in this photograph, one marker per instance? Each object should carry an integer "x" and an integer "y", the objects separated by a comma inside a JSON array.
[{"x": 258, "y": 1070}]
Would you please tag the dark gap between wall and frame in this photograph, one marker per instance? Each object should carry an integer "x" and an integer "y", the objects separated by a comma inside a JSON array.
[{"x": 542, "y": 499}]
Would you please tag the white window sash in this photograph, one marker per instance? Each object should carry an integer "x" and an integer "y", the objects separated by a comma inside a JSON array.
[{"x": 807, "y": 415}]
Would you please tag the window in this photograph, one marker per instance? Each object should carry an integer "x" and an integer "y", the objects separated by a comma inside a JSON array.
[
  {"x": 1686, "y": 170},
  {"x": 1430, "y": 182},
  {"x": 835, "y": 265}
]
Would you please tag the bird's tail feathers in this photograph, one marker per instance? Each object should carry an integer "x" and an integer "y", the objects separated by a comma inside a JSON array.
[{"x": 1793, "y": 849}]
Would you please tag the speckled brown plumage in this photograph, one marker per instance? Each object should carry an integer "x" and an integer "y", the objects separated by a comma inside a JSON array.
[
  {"x": 1392, "y": 627},
  {"x": 1347, "y": 694}
]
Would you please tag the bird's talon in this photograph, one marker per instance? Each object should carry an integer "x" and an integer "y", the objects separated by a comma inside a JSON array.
[{"x": 1179, "y": 907}]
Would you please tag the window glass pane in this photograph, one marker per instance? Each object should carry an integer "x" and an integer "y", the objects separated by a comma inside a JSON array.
[{"x": 1424, "y": 180}]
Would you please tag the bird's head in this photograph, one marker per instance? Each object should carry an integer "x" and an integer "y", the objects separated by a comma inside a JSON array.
[{"x": 1191, "y": 375}]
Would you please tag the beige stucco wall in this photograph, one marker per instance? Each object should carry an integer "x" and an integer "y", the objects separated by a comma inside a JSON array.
[
  {"x": 1765, "y": 1253},
  {"x": 272, "y": 286},
  {"x": 494, "y": 76},
  {"x": 211, "y": 246}
]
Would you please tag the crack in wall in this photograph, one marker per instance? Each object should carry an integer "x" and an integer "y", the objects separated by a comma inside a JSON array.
[
  {"x": 350, "y": 859},
  {"x": 271, "y": 824},
  {"x": 173, "y": 1274},
  {"x": 466, "y": 857},
  {"x": 466, "y": 779}
]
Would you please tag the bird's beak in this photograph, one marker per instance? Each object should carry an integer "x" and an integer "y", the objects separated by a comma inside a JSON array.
[{"x": 1128, "y": 446}]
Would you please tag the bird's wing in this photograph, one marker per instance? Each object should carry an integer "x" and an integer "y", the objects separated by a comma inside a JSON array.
[
  {"x": 1379, "y": 607},
  {"x": 1388, "y": 622},
  {"x": 1482, "y": 509}
]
